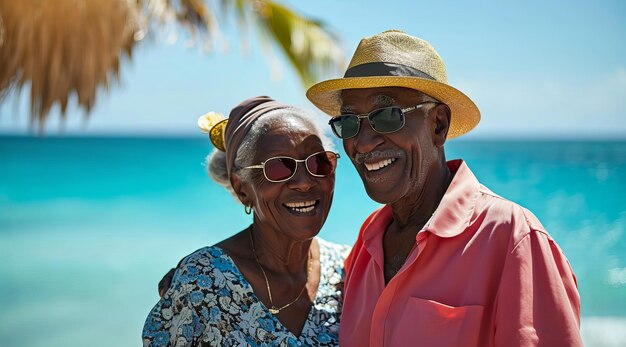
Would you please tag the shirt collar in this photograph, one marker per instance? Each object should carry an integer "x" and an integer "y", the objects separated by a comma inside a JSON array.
[
  {"x": 454, "y": 212},
  {"x": 379, "y": 221},
  {"x": 456, "y": 208}
]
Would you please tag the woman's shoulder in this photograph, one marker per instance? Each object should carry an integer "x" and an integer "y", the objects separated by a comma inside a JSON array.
[
  {"x": 202, "y": 262},
  {"x": 205, "y": 256},
  {"x": 333, "y": 250}
]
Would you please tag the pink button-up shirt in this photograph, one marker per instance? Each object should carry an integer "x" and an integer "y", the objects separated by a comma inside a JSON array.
[{"x": 483, "y": 272}]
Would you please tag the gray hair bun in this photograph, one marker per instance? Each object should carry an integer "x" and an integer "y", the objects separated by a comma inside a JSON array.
[{"x": 216, "y": 168}]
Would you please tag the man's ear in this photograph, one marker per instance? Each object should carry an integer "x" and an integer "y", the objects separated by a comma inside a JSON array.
[
  {"x": 442, "y": 124},
  {"x": 238, "y": 187}
]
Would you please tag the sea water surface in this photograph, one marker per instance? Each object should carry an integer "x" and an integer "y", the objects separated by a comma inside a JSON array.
[{"x": 88, "y": 226}]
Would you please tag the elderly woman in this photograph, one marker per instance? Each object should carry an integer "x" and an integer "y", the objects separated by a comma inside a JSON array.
[{"x": 275, "y": 282}]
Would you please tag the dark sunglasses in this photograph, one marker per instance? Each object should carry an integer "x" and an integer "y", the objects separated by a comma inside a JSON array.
[
  {"x": 383, "y": 120},
  {"x": 280, "y": 169}
]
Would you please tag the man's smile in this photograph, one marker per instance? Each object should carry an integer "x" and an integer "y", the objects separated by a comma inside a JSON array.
[{"x": 379, "y": 164}]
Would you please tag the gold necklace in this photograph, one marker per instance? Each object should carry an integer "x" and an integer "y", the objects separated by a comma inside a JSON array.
[{"x": 273, "y": 309}]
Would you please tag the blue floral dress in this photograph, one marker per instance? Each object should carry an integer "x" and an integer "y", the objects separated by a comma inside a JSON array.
[{"x": 210, "y": 303}]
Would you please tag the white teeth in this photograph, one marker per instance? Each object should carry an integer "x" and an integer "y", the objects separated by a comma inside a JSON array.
[
  {"x": 306, "y": 206},
  {"x": 300, "y": 204},
  {"x": 306, "y": 209},
  {"x": 379, "y": 165}
]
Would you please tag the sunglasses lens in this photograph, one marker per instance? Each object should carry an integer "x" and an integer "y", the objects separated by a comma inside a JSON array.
[
  {"x": 322, "y": 164},
  {"x": 345, "y": 126},
  {"x": 278, "y": 169},
  {"x": 387, "y": 120}
]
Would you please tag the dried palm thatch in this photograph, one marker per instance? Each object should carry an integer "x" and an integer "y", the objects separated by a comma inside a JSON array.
[{"x": 64, "y": 47}]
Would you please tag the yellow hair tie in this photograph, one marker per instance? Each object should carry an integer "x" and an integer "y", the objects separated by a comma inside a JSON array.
[{"x": 214, "y": 124}]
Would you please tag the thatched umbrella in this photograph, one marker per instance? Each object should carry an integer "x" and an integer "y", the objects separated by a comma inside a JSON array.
[{"x": 62, "y": 47}]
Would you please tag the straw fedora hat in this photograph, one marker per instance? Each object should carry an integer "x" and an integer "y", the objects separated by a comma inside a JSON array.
[{"x": 395, "y": 59}]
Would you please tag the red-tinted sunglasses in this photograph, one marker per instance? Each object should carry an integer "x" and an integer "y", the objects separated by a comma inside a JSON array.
[{"x": 281, "y": 169}]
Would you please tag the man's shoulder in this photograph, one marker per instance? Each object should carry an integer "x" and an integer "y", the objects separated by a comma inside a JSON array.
[{"x": 506, "y": 214}]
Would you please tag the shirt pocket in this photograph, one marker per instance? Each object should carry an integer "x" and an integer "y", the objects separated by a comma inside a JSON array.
[{"x": 431, "y": 323}]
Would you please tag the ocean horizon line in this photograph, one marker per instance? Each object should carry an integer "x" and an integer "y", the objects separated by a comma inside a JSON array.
[{"x": 468, "y": 138}]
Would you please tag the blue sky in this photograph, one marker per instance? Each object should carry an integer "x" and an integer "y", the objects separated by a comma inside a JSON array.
[{"x": 534, "y": 68}]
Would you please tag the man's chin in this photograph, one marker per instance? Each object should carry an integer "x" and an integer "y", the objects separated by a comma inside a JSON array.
[{"x": 382, "y": 197}]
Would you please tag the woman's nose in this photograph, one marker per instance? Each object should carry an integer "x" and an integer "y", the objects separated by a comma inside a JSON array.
[{"x": 302, "y": 180}]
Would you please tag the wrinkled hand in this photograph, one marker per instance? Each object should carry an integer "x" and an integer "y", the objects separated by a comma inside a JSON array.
[{"x": 165, "y": 282}]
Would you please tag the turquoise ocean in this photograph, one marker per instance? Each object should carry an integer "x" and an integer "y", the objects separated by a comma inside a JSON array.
[{"x": 88, "y": 226}]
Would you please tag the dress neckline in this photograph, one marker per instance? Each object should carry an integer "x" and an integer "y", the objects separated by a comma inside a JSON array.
[{"x": 250, "y": 291}]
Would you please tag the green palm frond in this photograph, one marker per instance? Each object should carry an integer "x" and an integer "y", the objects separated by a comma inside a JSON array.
[{"x": 311, "y": 50}]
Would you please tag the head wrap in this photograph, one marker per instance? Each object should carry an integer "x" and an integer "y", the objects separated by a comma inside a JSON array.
[{"x": 240, "y": 121}]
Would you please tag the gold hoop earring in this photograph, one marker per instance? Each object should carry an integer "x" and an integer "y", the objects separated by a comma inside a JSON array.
[{"x": 247, "y": 209}]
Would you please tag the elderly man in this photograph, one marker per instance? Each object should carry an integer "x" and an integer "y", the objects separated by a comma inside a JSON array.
[{"x": 446, "y": 262}]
